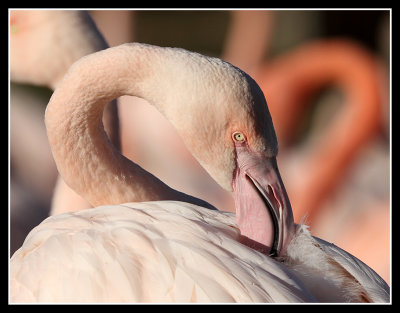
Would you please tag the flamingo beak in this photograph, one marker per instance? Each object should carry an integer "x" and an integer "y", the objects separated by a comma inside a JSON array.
[{"x": 263, "y": 211}]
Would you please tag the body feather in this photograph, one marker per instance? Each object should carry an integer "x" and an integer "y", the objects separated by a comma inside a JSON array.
[{"x": 170, "y": 251}]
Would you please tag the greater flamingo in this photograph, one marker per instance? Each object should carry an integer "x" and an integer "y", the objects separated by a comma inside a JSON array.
[
  {"x": 43, "y": 44},
  {"x": 173, "y": 247}
]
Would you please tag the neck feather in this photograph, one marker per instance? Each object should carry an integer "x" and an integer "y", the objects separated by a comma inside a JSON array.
[{"x": 85, "y": 158}]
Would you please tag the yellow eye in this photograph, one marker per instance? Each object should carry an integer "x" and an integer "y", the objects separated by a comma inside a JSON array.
[{"x": 238, "y": 136}]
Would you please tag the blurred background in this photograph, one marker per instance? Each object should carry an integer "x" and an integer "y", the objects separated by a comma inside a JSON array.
[{"x": 326, "y": 78}]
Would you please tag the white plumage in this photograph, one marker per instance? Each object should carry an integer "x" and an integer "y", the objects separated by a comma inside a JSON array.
[
  {"x": 172, "y": 251},
  {"x": 176, "y": 251}
]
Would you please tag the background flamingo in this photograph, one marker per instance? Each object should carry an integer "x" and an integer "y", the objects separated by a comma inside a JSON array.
[
  {"x": 337, "y": 63},
  {"x": 43, "y": 44},
  {"x": 237, "y": 146}
]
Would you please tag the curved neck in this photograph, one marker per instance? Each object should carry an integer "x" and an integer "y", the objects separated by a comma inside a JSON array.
[{"x": 85, "y": 158}]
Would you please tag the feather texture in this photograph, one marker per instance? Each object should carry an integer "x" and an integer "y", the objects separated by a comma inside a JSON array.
[
  {"x": 164, "y": 252},
  {"x": 146, "y": 252}
]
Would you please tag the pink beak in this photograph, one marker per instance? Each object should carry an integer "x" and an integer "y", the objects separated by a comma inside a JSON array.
[{"x": 263, "y": 211}]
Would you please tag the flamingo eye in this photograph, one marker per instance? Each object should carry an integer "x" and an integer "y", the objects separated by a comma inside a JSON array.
[{"x": 238, "y": 136}]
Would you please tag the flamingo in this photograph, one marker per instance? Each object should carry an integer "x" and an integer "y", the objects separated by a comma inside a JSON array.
[
  {"x": 146, "y": 242},
  {"x": 43, "y": 44}
]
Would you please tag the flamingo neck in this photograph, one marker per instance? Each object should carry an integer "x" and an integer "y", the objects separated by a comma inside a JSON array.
[{"x": 84, "y": 156}]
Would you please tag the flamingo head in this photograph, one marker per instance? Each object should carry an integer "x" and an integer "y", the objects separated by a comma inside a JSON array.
[
  {"x": 235, "y": 142},
  {"x": 263, "y": 211}
]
